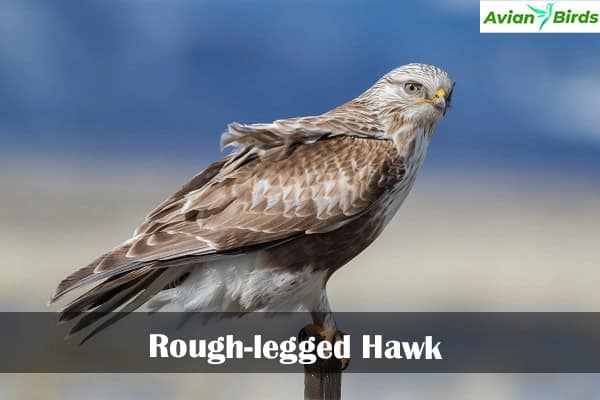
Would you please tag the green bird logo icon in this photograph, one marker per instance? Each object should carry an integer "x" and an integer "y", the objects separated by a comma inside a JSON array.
[{"x": 546, "y": 15}]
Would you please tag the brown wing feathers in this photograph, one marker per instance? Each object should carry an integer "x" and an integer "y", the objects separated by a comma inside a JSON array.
[{"x": 265, "y": 199}]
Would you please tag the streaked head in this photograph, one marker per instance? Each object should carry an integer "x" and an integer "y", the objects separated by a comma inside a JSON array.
[{"x": 419, "y": 92}]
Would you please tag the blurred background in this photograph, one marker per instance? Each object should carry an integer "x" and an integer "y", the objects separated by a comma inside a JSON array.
[{"x": 108, "y": 106}]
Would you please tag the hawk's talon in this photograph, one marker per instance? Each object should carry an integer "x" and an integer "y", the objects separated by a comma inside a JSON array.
[{"x": 320, "y": 334}]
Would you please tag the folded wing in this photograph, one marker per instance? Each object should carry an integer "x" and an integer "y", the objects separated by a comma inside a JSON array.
[{"x": 245, "y": 202}]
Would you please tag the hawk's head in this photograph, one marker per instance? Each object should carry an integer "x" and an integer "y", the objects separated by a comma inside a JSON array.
[{"x": 413, "y": 92}]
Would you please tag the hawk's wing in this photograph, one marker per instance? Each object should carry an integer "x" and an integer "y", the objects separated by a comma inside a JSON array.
[{"x": 240, "y": 204}]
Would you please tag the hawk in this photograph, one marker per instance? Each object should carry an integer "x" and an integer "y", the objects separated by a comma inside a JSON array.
[{"x": 264, "y": 228}]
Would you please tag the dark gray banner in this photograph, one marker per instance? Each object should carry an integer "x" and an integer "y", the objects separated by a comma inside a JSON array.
[{"x": 375, "y": 342}]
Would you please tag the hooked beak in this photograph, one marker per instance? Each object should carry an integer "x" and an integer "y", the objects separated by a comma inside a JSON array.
[{"x": 438, "y": 100}]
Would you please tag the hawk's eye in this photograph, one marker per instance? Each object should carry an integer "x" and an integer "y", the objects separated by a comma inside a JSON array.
[{"x": 412, "y": 87}]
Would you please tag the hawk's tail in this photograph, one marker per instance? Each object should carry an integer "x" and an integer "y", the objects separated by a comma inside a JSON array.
[{"x": 117, "y": 296}]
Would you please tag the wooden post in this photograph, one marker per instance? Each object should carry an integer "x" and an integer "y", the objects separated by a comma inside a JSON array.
[{"x": 323, "y": 380}]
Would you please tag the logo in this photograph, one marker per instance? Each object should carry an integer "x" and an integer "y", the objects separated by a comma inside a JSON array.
[
  {"x": 539, "y": 16},
  {"x": 545, "y": 15}
]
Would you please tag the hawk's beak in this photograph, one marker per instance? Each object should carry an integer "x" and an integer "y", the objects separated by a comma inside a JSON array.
[{"x": 438, "y": 100}]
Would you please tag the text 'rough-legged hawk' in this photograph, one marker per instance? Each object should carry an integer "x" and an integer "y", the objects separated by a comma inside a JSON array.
[{"x": 264, "y": 228}]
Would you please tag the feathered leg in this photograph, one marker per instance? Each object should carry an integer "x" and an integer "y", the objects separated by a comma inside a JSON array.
[{"x": 324, "y": 326}]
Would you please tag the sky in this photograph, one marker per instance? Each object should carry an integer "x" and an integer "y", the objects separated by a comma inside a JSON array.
[{"x": 130, "y": 80}]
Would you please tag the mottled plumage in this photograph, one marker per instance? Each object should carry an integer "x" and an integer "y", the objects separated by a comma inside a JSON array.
[{"x": 264, "y": 228}]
